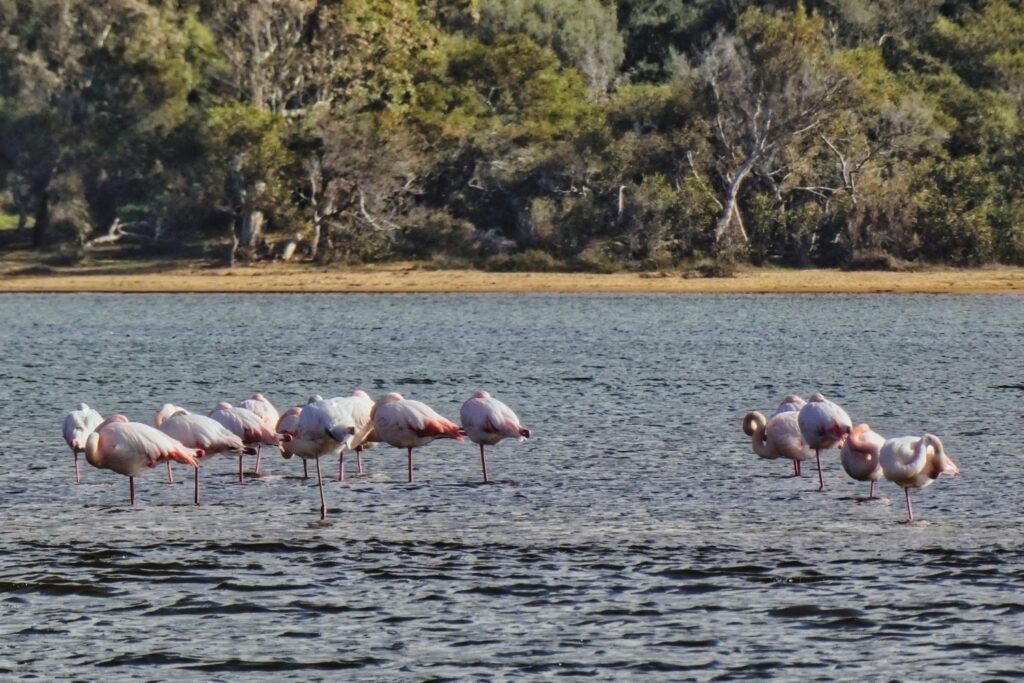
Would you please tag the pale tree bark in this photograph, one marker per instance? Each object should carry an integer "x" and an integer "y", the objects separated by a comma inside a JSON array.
[{"x": 758, "y": 107}]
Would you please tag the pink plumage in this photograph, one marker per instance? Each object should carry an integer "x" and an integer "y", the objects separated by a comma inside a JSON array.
[
  {"x": 777, "y": 437},
  {"x": 487, "y": 421},
  {"x": 263, "y": 408},
  {"x": 407, "y": 424},
  {"x": 823, "y": 424},
  {"x": 133, "y": 448},
  {"x": 860, "y": 455},
  {"x": 245, "y": 424},
  {"x": 915, "y": 462}
]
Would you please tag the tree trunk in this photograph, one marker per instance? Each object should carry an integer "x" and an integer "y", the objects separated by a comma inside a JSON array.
[
  {"x": 731, "y": 210},
  {"x": 22, "y": 203},
  {"x": 252, "y": 229},
  {"x": 42, "y": 225},
  {"x": 234, "y": 241},
  {"x": 314, "y": 241}
]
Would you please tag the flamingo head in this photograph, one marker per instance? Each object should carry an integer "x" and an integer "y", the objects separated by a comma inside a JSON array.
[
  {"x": 841, "y": 432},
  {"x": 753, "y": 421},
  {"x": 943, "y": 463},
  {"x": 166, "y": 411}
]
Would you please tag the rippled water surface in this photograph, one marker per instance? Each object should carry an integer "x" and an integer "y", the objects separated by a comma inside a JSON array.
[{"x": 634, "y": 537}]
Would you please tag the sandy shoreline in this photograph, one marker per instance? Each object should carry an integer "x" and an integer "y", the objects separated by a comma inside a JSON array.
[{"x": 281, "y": 278}]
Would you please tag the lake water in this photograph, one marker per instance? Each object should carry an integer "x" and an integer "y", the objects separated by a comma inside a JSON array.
[{"x": 634, "y": 537}]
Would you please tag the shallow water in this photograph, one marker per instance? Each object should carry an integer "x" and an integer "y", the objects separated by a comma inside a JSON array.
[{"x": 635, "y": 536}]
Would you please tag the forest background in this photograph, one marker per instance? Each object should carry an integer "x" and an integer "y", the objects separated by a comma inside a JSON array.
[{"x": 515, "y": 134}]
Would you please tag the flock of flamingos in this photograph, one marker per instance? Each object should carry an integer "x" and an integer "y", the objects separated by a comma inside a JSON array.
[
  {"x": 799, "y": 430},
  {"x": 321, "y": 427}
]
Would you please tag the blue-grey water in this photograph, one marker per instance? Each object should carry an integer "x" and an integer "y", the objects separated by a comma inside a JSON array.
[{"x": 634, "y": 537}]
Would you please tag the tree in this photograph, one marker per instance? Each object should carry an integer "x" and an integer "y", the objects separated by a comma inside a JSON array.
[
  {"x": 772, "y": 82},
  {"x": 583, "y": 33},
  {"x": 88, "y": 92}
]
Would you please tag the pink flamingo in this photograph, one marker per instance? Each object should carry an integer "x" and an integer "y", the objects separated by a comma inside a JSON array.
[
  {"x": 859, "y": 455},
  {"x": 778, "y": 437},
  {"x": 407, "y": 424},
  {"x": 288, "y": 425},
  {"x": 915, "y": 462},
  {"x": 354, "y": 413},
  {"x": 325, "y": 427},
  {"x": 132, "y": 448},
  {"x": 486, "y": 420},
  {"x": 247, "y": 425},
  {"x": 823, "y": 424},
  {"x": 267, "y": 412},
  {"x": 203, "y": 433},
  {"x": 78, "y": 425},
  {"x": 791, "y": 403}
]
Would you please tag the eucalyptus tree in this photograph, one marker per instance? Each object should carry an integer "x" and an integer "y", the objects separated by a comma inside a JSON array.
[
  {"x": 314, "y": 67},
  {"x": 771, "y": 82}
]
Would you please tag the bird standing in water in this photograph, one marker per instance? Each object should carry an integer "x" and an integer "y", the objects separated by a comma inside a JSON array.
[
  {"x": 486, "y": 420},
  {"x": 823, "y": 425},
  {"x": 78, "y": 425}
]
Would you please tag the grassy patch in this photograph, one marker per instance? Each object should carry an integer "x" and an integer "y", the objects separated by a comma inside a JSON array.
[{"x": 8, "y": 221}]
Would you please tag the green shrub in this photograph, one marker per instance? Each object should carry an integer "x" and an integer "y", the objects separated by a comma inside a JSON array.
[
  {"x": 531, "y": 261},
  {"x": 596, "y": 258}
]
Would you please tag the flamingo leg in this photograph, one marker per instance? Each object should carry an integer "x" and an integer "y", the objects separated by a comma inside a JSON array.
[
  {"x": 910, "y": 508},
  {"x": 197, "y": 487},
  {"x": 170, "y": 474},
  {"x": 78, "y": 472},
  {"x": 871, "y": 493},
  {"x": 320, "y": 482},
  {"x": 341, "y": 466},
  {"x": 483, "y": 463},
  {"x": 821, "y": 478},
  {"x": 259, "y": 456},
  {"x": 240, "y": 479},
  {"x": 131, "y": 489},
  {"x": 796, "y": 468},
  {"x": 305, "y": 469},
  {"x": 410, "y": 465},
  {"x": 359, "y": 459}
]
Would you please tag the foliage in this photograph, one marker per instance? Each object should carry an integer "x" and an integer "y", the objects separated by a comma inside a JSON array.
[{"x": 518, "y": 134}]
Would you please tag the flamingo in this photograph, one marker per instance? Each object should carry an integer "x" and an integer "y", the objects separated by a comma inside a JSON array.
[
  {"x": 132, "y": 448},
  {"x": 915, "y": 462},
  {"x": 354, "y": 412},
  {"x": 247, "y": 425},
  {"x": 823, "y": 424},
  {"x": 407, "y": 424},
  {"x": 78, "y": 425},
  {"x": 200, "y": 432},
  {"x": 486, "y": 420},
  {"x": 267, "y": 412},
  {"x": 288, "y": 424},
  {"x": 859, "y": 455},
  {"x": 325, "y": 427},
  {"x": 778, "y": 437},
  {"x": 791, "y": 403}
]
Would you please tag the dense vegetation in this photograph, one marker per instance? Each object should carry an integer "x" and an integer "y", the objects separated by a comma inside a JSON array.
[{"x": 536, "y": 134}]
